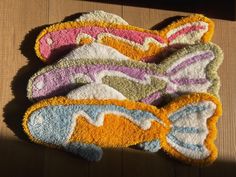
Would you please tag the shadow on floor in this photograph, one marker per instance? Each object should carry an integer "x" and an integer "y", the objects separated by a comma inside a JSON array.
[
  {"x": 214, "y": 9},
  {"x": 26, "y": 159},
  {"x": 15, "y": 109}
]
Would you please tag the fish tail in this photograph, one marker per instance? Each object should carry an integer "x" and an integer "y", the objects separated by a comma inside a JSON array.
[
  {"x": 194, "y": 69},
  {"x": 193, "y": 130},
  {"x": 189, "y": 30}
]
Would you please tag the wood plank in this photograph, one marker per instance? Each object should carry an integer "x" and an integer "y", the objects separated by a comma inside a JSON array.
[
  {"x": 21, "y": 158},
  {"x": 70, "y": 10},
  {"x": 226, "y": 141},
  {"x": 16, "y": 19},
  {"x": 60, "y": 164}
]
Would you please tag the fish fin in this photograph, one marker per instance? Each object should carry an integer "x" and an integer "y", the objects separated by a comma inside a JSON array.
[
  {"x": 194, "y": 69},
  {"x": 151, "y": 146},
  {"x": 99, "y": 15},
  {"x": 193, "y": 130},
  {"x": 88, "y": 152},
  {"x": 189, "y": 30},
  {"x": 94, "y": 51}
]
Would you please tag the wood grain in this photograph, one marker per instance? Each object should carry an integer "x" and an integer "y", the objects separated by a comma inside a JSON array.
[{"x": 24, "y": 19}]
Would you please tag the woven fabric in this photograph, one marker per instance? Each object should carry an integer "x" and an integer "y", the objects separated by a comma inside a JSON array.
[
  {"x": 186, "y": 128},
  {"x": 191, "y": 69},
  {"x": 133, "y": 42}
]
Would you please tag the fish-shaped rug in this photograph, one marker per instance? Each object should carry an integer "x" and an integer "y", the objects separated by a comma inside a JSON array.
[
  {"x": 111, "y": 30},
  {"x": 184, "y": 129},
  {"x": 191, "y": 69}
]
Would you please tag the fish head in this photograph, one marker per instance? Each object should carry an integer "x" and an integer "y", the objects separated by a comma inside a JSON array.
[
  {"x": 47, "y": 85},
  {"x": 50, "y": 125},
  {"x": 52, "y": 46}
]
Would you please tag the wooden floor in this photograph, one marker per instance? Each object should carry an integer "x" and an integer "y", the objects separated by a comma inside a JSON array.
[{"x": 19, "y": 158}]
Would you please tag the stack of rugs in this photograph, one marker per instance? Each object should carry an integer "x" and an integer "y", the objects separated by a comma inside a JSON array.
[{"x": 112, "y": 85}]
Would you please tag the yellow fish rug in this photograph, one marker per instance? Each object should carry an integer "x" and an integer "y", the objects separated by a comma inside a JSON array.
[{"x": 184, "y": 129}]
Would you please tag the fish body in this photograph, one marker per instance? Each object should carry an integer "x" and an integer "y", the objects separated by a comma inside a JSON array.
[
  {"x": 185, "y": 128},
  {"x": 87, "y": 115},
  {"x": 192, "y": 69},
  {"x": 131, "y": 41}
]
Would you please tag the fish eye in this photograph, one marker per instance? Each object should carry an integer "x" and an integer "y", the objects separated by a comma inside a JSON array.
[
  {"x": 39, "y": 85},
  {"x": 49, "y": 41},
  {"x": 38, "y": 120}
]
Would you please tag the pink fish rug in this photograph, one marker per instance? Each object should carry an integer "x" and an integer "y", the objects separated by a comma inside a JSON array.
[
  {"x": 191, "y": 69},
  {"x": 111, "y": 30},
  {"x": 185, "y": 128}
]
